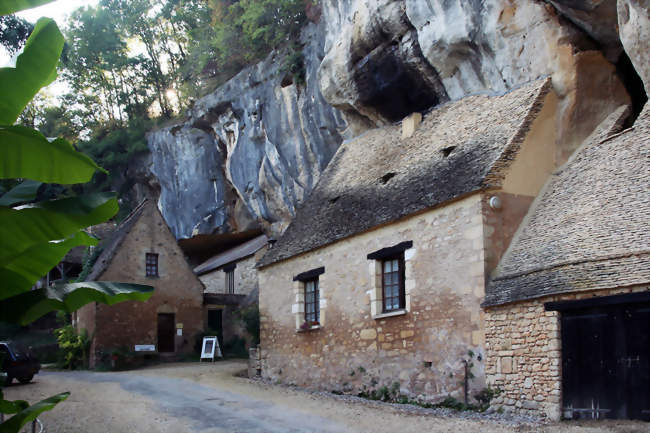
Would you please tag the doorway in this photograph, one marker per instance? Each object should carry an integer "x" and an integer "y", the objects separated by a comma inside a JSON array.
[
  {"x": 606, "y": 362},
  {"x": 166, "y": 329},
  {"x": 215, "y": 323}
]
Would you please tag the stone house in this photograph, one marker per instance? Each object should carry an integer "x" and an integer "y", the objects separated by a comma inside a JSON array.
[
  {"x": 567, "y": 312},
  {"x": 230, "y": 280},
  {"x": 142, "y": 250},
  {"x": 380, "y": 277}
]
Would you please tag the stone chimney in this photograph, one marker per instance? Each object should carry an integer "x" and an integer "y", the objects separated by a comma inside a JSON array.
[{"x": 410, "y": 124}]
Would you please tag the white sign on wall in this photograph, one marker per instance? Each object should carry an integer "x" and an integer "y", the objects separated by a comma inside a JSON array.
[
  {"x": 145, "y": 348},
  {"x": 210, "y": 347}
]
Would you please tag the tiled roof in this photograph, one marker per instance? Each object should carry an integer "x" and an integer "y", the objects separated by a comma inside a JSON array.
[
  {"x": 232, "y": 255},
  {"x": 380, "y": 177},
  {"x": 590, "y": 226},
  {"x": 113, "y": 242}
]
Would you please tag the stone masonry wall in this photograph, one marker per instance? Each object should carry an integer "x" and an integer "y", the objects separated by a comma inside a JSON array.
[
  {"x": 524, "y": 359},
  {"x": 245, "y": 278},
  {"x": 177, "y": 290},
  {"x": 422, "y": 349}
]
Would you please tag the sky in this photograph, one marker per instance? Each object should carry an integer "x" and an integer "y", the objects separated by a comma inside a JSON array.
[{"x": 57, "y": 10}]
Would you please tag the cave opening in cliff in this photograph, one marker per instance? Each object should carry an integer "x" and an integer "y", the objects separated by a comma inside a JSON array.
[{"x": 390, "y": 85}]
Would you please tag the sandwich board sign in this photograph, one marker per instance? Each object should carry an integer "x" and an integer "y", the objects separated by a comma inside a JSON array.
[{"x": 210, "y": 347}]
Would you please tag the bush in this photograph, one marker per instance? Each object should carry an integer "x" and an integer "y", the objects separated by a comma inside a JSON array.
[
  {"x": 251, "y": 318},
  {"x": 73, "y": 347},
  {"x": 235, "y": 347}
]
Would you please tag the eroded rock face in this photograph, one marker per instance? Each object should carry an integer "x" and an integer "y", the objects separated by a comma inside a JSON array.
[
  {"x": 249, "y": 152},
  {"x": 459, "y": 47},
  {"x": 634, "y": 29},
  {"x": 597, "y": 18}
]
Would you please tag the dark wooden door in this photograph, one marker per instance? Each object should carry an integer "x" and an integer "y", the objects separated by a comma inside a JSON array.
[
  {"x": 636, "y": 363},
  {"x": 166, "y": 325},
  {"x": 215, "y": 324},
  {"x": 605, "y": 362}
]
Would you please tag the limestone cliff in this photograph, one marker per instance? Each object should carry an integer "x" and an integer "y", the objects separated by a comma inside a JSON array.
[{"x": 249, "y": 153}]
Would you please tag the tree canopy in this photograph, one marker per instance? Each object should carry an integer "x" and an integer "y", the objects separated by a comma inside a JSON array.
[{"x": 131, "y": 65}]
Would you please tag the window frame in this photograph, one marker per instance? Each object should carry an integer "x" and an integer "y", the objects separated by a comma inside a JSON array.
[
  {"x": 400, "y": 284},
  {"x": 230, "y": 281},
  {"x": 151, "y": 266},
  {"x": 315, "y": 302}
]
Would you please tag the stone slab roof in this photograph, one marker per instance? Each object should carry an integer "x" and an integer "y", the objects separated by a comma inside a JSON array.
[
  {"x": 380, "y": 177},
  {"x": 590, "y": 226},
  {"x": 239, "y": 252},
  {"x": 111, "y": 244}
]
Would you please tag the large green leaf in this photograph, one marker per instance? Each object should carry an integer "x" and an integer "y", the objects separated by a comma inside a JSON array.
[
  {"x": 10, "y": 407},
  {"x": 29, "y": 306},
  {"x": 11, "y": 6},
  {"x": 16, "y": 422},
  {"x": 26, "y": 153},
  {"x": 24, "y": 270},
  {"x": 35, "y": 69},
  {"x": 27, "y": 226},
  {"x": 23, "y": 192}
]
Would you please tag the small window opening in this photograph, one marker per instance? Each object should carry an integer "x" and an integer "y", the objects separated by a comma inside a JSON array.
[
  {"x": 447, "y": 151},
  {"x": 230, "y": 282},
  {"x": 428, "y": 364},
  {"x": 388, "y": 176},
  {"x": 393, "y": 284},
  {"x": 312, "y": 302},
  {"x": 151, "y": 261}
]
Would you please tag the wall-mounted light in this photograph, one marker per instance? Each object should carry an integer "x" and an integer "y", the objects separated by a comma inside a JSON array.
[{"x": 495, "y": 202}]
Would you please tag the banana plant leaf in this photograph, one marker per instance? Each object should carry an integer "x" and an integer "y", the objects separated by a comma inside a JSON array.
[
  {"x": 27, "y": 226},
  {"x": 23, "y": 192},
  {"x": 11, "y": 6},
  {"x": 26, "y": 153},
  {"x": 16, "y": 422},
  {"x": 24, "y": 270},
  {"x": 35, "y": 69},
  {"x": 10, "y": 407},
  {"x": 29, "y": 306}
]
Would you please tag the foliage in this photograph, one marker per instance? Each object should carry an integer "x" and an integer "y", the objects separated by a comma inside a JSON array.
[
  {"x": 14, "y": 32},
  {"x": 74, "y": 346},
  {"x": 294, "y": 65},
  {"x": 36, "y": 235},
  {"x": 88, "y": 261},
  {"x": 235, "y": 347},
  {"x": 251, "y": 318}
]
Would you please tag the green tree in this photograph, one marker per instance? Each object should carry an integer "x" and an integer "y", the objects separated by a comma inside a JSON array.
[{"x": 36, "y": 235}]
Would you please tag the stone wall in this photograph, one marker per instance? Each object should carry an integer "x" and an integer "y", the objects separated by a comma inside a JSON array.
[
  {"x": 177, "y": 290},
  {"x": 422, "y": 349},
  {"x": 523, "y": 353},
  {"x": 245, "y": 278}
]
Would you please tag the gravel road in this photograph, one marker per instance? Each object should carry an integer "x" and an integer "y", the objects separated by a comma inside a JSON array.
[{"x": 208, "y": 398}]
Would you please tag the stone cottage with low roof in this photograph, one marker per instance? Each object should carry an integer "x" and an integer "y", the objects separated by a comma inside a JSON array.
[
  {"x": 380, "y": 277},
  {"x": 568, "y": 308},
  {"x": 231, "y": 284},
  {"x": 143, "y": 250}
]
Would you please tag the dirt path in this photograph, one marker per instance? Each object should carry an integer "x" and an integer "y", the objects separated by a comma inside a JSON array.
[{"x": 208, "y": 398}]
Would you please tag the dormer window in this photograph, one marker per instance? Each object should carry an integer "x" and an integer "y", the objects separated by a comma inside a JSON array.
[{"x": 152, "y": 264}]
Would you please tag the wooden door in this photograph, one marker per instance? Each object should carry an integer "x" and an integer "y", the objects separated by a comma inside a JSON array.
[
  {"x": 606, "y": 362},
  {"x": 166, "y": 329},
  {"x": 215, "y": 324}
]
